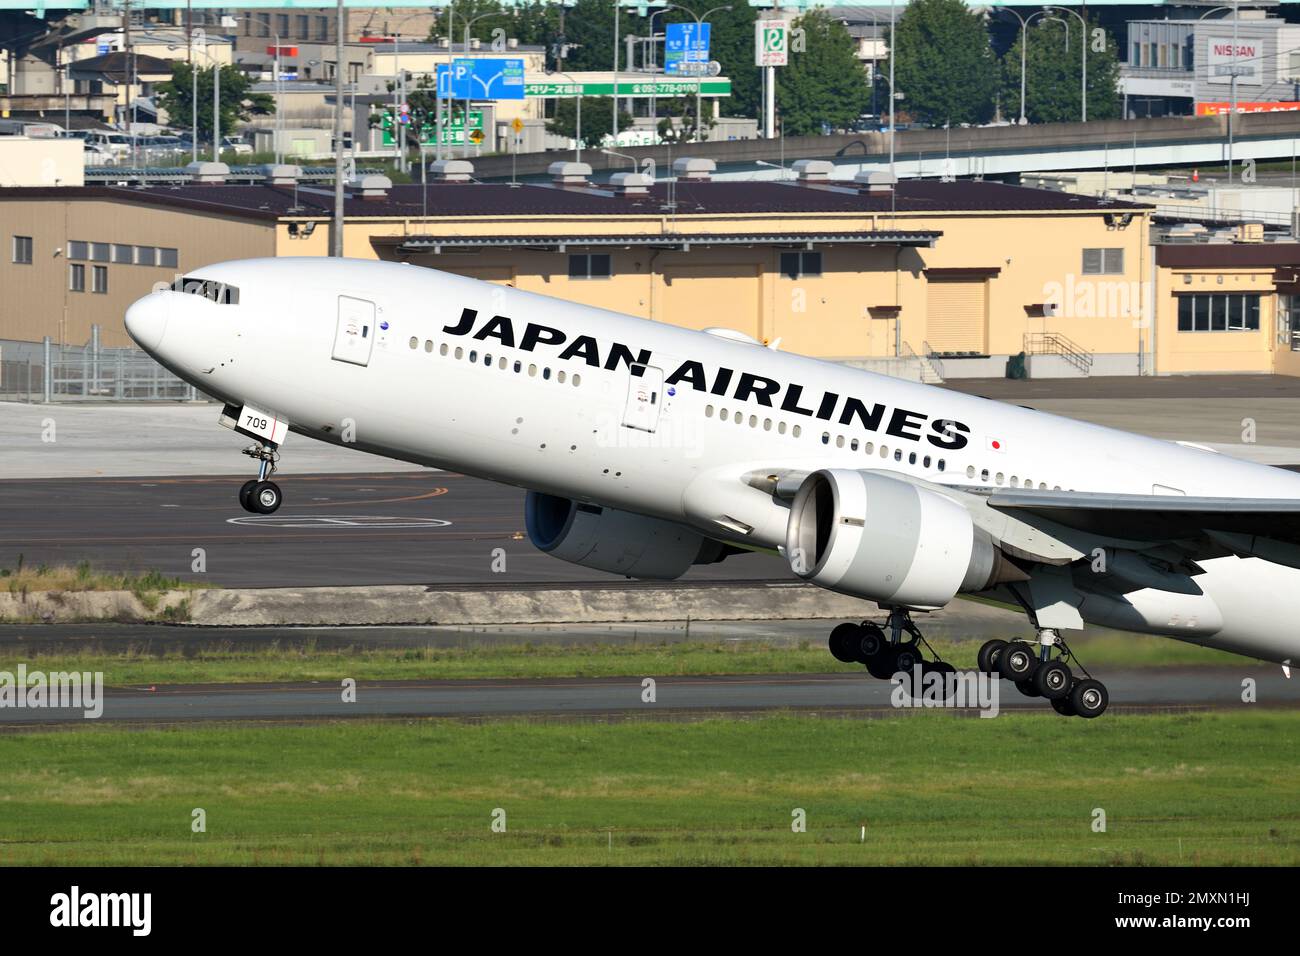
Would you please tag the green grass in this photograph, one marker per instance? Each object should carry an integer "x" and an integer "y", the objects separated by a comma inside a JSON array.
[
  {"x": 216, "y": 662},
  {"x": 930, "y": 788}
]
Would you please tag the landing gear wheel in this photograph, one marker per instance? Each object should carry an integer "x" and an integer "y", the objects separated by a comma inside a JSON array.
[
  {"x": 844, "y": 643},
  {"x": 875, "y": 651},
  {"x": 1063, "y": 707},
  {"x": 245, "y": 493},
  {"x": 987, "y": 659},
  {"x": 1053, "y": 680},
  {"x": 1016, "y": 662},
  {"x": 265, "y": 497},
  {"x": 906, "y": 657},
  {"x": 1089, "y": 698},
  {"x": 1027, "y": 688}
]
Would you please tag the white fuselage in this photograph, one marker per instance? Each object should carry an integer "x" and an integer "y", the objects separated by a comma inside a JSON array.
[{"x": 540, "y": 393}]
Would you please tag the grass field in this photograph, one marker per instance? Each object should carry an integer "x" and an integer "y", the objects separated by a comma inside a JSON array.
[
  {"x": 218, "y": 663},
  {"x": 929, "y": 788}
]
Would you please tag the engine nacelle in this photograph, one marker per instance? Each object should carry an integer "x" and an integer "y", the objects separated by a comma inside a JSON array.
[
  {"x": 886, "y": 540},
  {"x": 616, "y": 541}
]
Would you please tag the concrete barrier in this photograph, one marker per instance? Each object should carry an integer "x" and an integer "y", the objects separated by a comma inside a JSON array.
[
  {"x": 421, "y": 605},
  {"x": 414, "y": 604}
]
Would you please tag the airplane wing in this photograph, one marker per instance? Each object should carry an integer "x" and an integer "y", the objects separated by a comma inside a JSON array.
[{"x": 1263, "y": 527}]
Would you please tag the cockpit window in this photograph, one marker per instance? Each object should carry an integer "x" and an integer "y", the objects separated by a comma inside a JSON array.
[{"x": 218, "y": 292}]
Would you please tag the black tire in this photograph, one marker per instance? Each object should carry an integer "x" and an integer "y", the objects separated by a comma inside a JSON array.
[
  {"x": 1089, "y": 698},
  {"x": 1053, "y": 680},
  {"x": 844, "y": 643},
  {"x": 1027, "y": 688},
  {"x": 987, "y": 659},
  {"x": 942, "y": 668},
  {"x": 906, "y": 657},
  {"x": 245, "y": 494},
  {"x": 872, "y": 643},
  {"x": 1017, "y": 661},
  {"x": 265, "y": 497},
  {"x": 1063, "y": 707}
]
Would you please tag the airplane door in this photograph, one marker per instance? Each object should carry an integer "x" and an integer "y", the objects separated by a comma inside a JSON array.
[
  {"x": 354, "y": 336},
  {"x": 644, "y": 398}
]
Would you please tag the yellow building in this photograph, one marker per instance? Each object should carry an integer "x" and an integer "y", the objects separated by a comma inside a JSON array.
[{"x": 967, "y": 272}]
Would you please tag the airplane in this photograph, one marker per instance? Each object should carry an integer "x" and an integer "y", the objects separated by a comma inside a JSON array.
[{"x": 647, "y": 448}]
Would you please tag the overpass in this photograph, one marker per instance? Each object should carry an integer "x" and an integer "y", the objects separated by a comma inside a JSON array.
[{"x": 992, "y": 151}]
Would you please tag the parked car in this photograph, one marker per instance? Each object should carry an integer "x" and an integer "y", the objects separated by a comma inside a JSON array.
[{"x": 236, "y": 146}]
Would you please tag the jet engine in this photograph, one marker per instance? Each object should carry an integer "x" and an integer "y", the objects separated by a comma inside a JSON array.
[
  {"x": 889, "y": 541},
  {"x": 616, "y": 541}
]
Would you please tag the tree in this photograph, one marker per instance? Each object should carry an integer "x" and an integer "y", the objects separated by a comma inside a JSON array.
[
  {"x": 825, "y": 84},
  {"x": 1053, "y": 74},
  {"x": 945, "y": 67},
  {"x": 176, "y": 96},
  {"x": 597, "y": 119}
]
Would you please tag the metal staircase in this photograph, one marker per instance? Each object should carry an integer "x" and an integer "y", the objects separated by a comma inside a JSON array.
[{"x": 1054, "y": 343}]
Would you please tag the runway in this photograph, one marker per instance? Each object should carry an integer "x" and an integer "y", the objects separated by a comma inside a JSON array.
[
  {"x": 849, "y": 693},
  {"x": 412, "y": 527}
]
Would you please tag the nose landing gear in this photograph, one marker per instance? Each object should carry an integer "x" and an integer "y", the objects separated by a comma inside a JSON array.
[{"x": 260, "y": 495}]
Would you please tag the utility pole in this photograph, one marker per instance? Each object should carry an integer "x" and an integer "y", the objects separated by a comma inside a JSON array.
[{"x": 336, "y": 233}]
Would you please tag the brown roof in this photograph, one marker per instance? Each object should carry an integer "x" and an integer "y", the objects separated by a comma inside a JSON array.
[
  {"x": 1235, "y": 255},
  {"x": 118, "y": 65},
  {"x": 686, "y": 198}
]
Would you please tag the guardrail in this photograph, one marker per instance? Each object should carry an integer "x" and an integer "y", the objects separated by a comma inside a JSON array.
[
  {"x": 1053, "y": 343},
  {"x": 179, "y": 174}
]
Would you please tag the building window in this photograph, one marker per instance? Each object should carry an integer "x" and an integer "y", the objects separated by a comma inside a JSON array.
[
  {"x": 23, "y": 250},
  {"x": 146, "y": 255},
  {"x": 1103, "y": 262},
  {"x": 303, "y": 31},
  {"x": 282, "y": 24},
  {"x": 77, "y": 277},
  {"x": 590, "y": 266},
  {"x": 123, "y": 254},
  {"x": 77, "y": 249},
  {"x": 322, "y": 28},
  {"x": 1288, "y": 322},
  {"x": 1230, "y": 312},
  {"x": 168, "y": 258},
  {"x": 796, "y": 265},
  {"x": 99, "y": 252},
  {"x": 99, "y": 279}
]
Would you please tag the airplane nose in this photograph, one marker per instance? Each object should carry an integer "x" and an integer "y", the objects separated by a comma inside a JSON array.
[{"x": 146, "y": 320}]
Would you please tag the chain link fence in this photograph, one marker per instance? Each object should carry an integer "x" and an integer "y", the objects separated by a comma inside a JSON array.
[{"x": 47, "y": 372}]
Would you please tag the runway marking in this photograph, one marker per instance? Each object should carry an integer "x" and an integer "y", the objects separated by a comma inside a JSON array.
[{"x": 336, "y": 521}]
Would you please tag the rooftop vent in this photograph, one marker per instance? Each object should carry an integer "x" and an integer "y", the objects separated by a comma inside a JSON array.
[
  {"x": 814, "y": 170},
  {"x": 452, "y": 170},
  {"x": 280, "y": 174},
  {"x": 569, "y": 174},
  {"x": 876, "y": 181},
  {"x": 631, "y": 184},
  {"x": 695, "y": 170},
  {"x": 371, "y": 188},
  {"x": 201, "y": 172}
]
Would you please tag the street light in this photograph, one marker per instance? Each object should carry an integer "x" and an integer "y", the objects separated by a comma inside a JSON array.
[
  {"x": 1024, "y": 46},
  {"x": 276, "y": 125},
  {"x": 577, "y": 140},
  {"x": 198, "y": 35},
  {"x": 469, "y": 23},
  {"x": 699, "y": 28},
  {"x": 1232, "y": 106},
  {"x": 1083, "y": 45}
]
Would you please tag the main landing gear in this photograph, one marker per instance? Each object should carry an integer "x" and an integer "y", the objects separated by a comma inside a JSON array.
[
  {"x": 260, "y": 495},
  {"x": 884, "y": 651},
  {"x": 1045, "y": 676}
]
